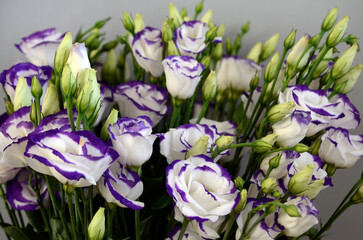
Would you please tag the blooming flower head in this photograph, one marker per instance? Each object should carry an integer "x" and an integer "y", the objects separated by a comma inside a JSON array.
[
  {"x": 40, "y": 47},
  {"x": 201, "y": 189},
  {"x": 183, "y": 74}
]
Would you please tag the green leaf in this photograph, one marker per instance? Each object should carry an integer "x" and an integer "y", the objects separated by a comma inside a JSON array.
[
  {"x": 16, "y": 233},
  {"x": 36, "y": 220}
]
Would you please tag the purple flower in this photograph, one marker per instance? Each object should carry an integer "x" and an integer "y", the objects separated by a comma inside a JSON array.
[
  {"x": 40, "y": 47},
  {"x": 121, "y": 186},
  {"x": 21, "y": 196},
  {"x": 201, "y": 189},
  {"x": 190, "y": 38},
  {"x": 147, "y": 47},
  {"x": 132, "y": 139},
  {"x": 141, "y": 99},
  {"x": 74, "y": 158},
  {"x": 9, "y": 77},
  {"x": 183, "y": 74}
]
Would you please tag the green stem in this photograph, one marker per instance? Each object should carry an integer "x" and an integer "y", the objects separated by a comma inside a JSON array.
[
  {"x": 229, "y": 225},
  {"x": 70, "y": 113},
  {"x": 203, "y": 111},
  {"x": 183, "y": 228},
  {"x": 21, "y": 219},
  {"x": 110, "y": 215},
  {"x": 254, "y": 225},
  {"x": 71, "y": 212},
  {"x": 308, "y": 79},
  {"x": 8, "y": 209},
  {"x": 176, "y": 115},
  {"x": 78, "y": 122},
  {"x": 37, "y": 107},
  {"x": 262, "y": 125},
  {"x": 137, "y": 225}
]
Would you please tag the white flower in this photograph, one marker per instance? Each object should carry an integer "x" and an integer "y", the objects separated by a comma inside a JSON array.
[{"x": 78, "y": 58}]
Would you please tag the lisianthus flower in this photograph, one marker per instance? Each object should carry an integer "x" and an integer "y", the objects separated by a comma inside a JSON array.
[
  {"x": 183, "y": 73},
  {"x": 339, "y": 148},
  {"x": 9, "y": 77},
  {"x": 78, "y": 58},
  {"x": 40, "y": 47},
  {"x": 201, "y": 189},
  {"x": 121, "y": 186},
  {"x": 190, "y": 37},
  {"x": 20, "y": 194},
  {"x": 141, "y": 99},
  {"x": 74, "y": 158},
  {"x": 189, "y": 234},
  {"x": 132, "y": 139},
  {"x": 349, "y": 117},
  {"x": 147, "y": 47}
]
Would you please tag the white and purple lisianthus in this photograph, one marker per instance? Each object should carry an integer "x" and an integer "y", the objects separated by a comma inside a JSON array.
[
  {"x": 349, "y": 117},
  {"x": 40, "y": 47},
  {"x": 147, "y": 47},
  {"x": 235, "y": 73},
  {"x": 78, "y": 58},
  {"x": 9, "y": 77},
  {"x": 189, "y": 234},
  {"x": 189, "y": 38},
  {"x": 20, "y": 194},
  {"x": 287, "y": 157},
  {"x": 339, "y": 148},
  {"x": 141, "y": 99},
  {"x": 183, "y": 73},
  {"x": 132, "y": 139},
  {"x": 75, "y": 158},
  {"x": 201, "y": 189},
  {"x": 121, "y": 186}
]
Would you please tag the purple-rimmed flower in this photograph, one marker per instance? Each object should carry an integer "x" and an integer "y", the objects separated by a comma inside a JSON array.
[
  {"x": 176, "y": 142},
  {"x": 132, "y": 139},
  {"x": 201, "y": 189},
  {"x": 183, "y": 73},
  {"x": 141, "y": 99},
  {"x": 74, "y": 158},
  {"x": 9, "y": 77},
  {"x": 190, "y": 37},
  {"x": 267, "y": 229},
  {"x": 13, "y": 138},
  {"x": 292, "y": 129},
  {"x": 349, "y": 117},
  {"x": 147, "y": 47},
  {"x": 78, "y": 58},
  {"x": 295, "y": 226},
  {"x": 235, "y": 73},
  {"x": 341, "y": 149},
  {"x": 20, "y": 194},
  {"x": 121, "y": 186},
  {"x": 40, "y": 47},
  {"x": 189, "y": 234}
]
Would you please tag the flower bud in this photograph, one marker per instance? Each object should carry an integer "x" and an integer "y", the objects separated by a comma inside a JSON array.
[
  {"x": 184, "y": 14},
  {"x": 82, "y": 79},
  {"x": 211, "y": 34},
  {"x": 300, "y": 148},
  {"x": 139, "y": 22},
  {"x": 92, "y": 41},
  {"x": 276, "y": 194},
  {"x": 229, "y": 46},
  {"x": 220, "y": 31},
  {"x": 358, "y": 196},
  {"x": 337, "y": 32},
  {"x": 209, "y": 89},
  {"x": 36, "y": 88},
  {"x": 206, "y": 60},
  {"x": 242, "y": 202},
  {"x": 269, "y": 47},
  {"x": 199, "y": 8},
  {"x": 295, "y": 54},
  {"x": 175, "y": 16},
  {"x": 172, "y": 49},
  {"x": 300, "y": 181},
  {"x": 96, "y": 229},
  {"x": 271, "y": 138},
  {"x": 224, "y": 141},
  {"x": 88, "y": 100},
  {"x": 62, "y": 54},
  {"x": 329, "y": 20},
  {"x": 314, "y": 149},
  {"x": 9, "y": 107},
  {"x": 33, "y": 114},
  {"x": 291, "y": 210},
  {"x": 323, "y": 64},
  {"x": 200, "y": 147},
  {"x": 261, "y": 146},
  {"x": 313, "y": 189},
  {"x": 108, "y": 72},
  {"x": 101, "y": 23},
  {"x": 51, "y": 101},
  {"x": 275, "y": 161},
  {"x": 290, "y": 40},
  {"x": 268, "y": 185},
  {"x": 23, "y": 96},
  {"x": 111, "y": 119},
  {"x": 245, "y": 28},
  {"x": 207, "y": 18},
  {"x": 254, "y": 81},
  {"x": 166, "y": 32},
  {"x": 279, "y": 111},
  {"x": 217, "y": 52},
  {"x": 271, "y": 70},
  {"x": 344, "y": 62},
  {"x": 270, "y": 209},
  {"x": 239, "y": 182},
  {"x": 67, "y": 82},
  {"x": 255, "y": 52},
  {"x": 129, "y": 23},
  {"x": 350, "y": 78}
]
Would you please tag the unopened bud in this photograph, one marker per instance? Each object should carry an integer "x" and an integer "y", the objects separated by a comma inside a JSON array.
[
  {"x": 108, "y": 72},
  {"x": 300, "y": 148},
  {"x": 92, "y": 40},
  {"x": 254, "y": 81},
  {"x": 358, "y": 196},
  {"x": 220, "y": 31},
  {"x": 111, "y": 119},
  {"x": 67, "y": 82},
  {"x": 344, "y": 62},
  {"x": 128, "y": 23},
  {"x": 337, "y": 32},
  {"x": 290, "y": 40},
  {"x": 269, "y": 47},
  {"x": 62, "y": 53},
  {"x": 217, "y": 52},
  {"x": 291, "y": 210},
  {"x": 329, "y": 20},
  {"x": 229, "y": 46},
  {"x": 9, "y": 107},
  {"x": 323, "y": 64},
  {"x": 96, "y": 229},
  {"x": 242, "y": 201},
  {"x": 199, "y": 8},
  {"x": 261, "y": 146},
  {"x": 272, "y": 70},
  {"x": 139, "y": 22},
  {"x": 314, "y": 149},
  {"x": 301, "y": 180},
  {"x": 33, "y": 114},
  {"x": 209, "y": 89},
  {"x": 313, "y": 189},
  {"x": 175, "y": 15},
  {"x": 350, "y": 78},
  {"x": 245, "y": 28},
  {"x": 271, "y": 138},
  {"x": 23, "y": 96},
  {"x": 36, "y": 88},
  {"x": 200, "y": 147},
  {"x": 207, "y": 18},
  {"x": 206, "y": 60},
  {"x": 255, "y": 52},
  {"x": 51, "y": 101},
  {"x": 166, "y": 32},
  {"x": 211, "y": 34},
  {"x": 172, "y": 49},
  {"x": 274, "y": 162},
  {"x": 279, "y": 111},
  {"x": 239, "y": 182},
  {"x": 296, "y": 53},
  {"x": 268, "y": 185},
  {"x": 224, "y": 141},
  {"x": 184, "y": 14},
  {"x": 277, "y": 194}
]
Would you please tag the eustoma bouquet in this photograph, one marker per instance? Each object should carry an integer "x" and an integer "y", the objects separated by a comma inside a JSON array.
[{"x": 193, "y": 141}]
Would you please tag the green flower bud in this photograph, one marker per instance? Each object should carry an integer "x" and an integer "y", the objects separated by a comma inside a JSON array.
[
  {"x": 344, "y": 62},
  {"x": 271, "y": 138},
  {"x": 255, "y": 52},
  {"x": 276, "y": 194},
  {"x": 220, "y": 31},
  {"x": 108, "y": 72},
  {"x": 323, "y": 64},
  {"x": 275, "y": 161},
  {"x": 275, "y": 90},
  {"x": 211, "y": 34},
  {"x": 337, "y": 32},
  {"x": 290, "y": 39},
  {"x": 217, "y": 52},
  {"x": 209, "y": 89},
  {"x": 296, "y": 52},
  {"x": 329, "y": 20},
  {"x": 92, "y": 40},
  {"x": 300, "y": 148},
  {"x": 239, "y": 182},
  {"x": 330, "y": 169},
  {"x": 88, "y": 101},
  {"x": 242, "y": 202},
  {"x": 67, "y": 82},
  {"x": 261, "y": 146},
  {"x": 51, "y": 101},
  {"x": 313, "y": 189},
  {"x": 314, "y": 41},
  {"x": 101, "y": 23},
  {"x": 139, "y": 22},
  {"x": 33, "y": 114},
  {"x": 62, "y": 53},
  {"x": 245, "y": 28},
  {"x": 254, "y": 82},
  {"x": 23, "y": 96},
  {"x": 111, "y": 119},
  {"x": 83, "y": 77},
  {"x": 166, "y": 32},
  {"x": 270, "y": 209},
  {"x": 36, "y": 88},
  {"x": 9, "y": 107},
  {"x": 199, "y": 8},
  {"x": 279, "y": 111},
  {"x": 207, "y": 18},
  {"x": 129, "y": 23},
  {"x": 350, "y": 78},
  {"x": 172, "y": 49},
  {"x": 96, "y": 229},
  {"x": 272, "y": 70},
  {"x": 200, "y": 147},
  {"x": 229, "y": 46},
  {"x": 269, "y": 47},
  {"x": 314, "y": 149},
  {"x": 184, "y": 13},
  {"x": 358, "y": 195},
  {"x": 224, "y": 141},
  {"x": 237, "y": 43},
  {"x": 291, "y": 210},
  {"x": 175, "y": 16},
  {"x": 110, "y": 45},
  {"x": 206, "y": 60},
  {"x": 301, "y": 180},
  {"x": 268, "y": 185}
]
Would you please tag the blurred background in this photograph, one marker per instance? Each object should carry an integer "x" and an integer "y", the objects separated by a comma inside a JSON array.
[{"x": 22, "y": 17}]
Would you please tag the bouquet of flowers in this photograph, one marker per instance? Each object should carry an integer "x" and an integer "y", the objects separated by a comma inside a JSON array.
[{"x": 168, "y": 134}]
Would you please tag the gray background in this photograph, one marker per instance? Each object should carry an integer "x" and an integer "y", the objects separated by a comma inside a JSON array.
[{"x": 22, "y": 17}]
